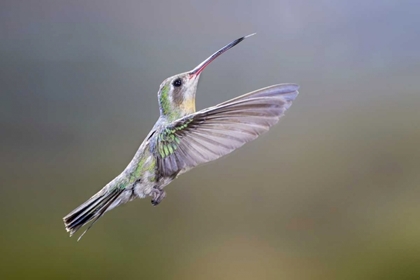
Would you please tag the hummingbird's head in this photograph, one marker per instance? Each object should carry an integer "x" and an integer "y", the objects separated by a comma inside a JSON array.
[{"x": 177, "y": 93}]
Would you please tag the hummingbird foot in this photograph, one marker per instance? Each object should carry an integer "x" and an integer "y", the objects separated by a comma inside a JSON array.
[{"x": 157, "y": 195}]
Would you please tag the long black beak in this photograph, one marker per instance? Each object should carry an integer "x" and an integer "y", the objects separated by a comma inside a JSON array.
[{"x": 197, "y": 70}]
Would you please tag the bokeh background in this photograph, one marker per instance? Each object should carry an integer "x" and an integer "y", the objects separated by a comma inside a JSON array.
[{"x": 332, "y": 192}]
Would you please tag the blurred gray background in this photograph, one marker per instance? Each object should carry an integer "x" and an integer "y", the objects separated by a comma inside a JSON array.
[{"x": 332, "y": 192}]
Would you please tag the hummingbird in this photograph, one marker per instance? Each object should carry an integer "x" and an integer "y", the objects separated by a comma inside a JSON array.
[{"x": 183, "y": 138}]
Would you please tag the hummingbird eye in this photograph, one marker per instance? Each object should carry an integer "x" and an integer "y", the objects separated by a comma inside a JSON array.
[{"x": 177, "y": 83}]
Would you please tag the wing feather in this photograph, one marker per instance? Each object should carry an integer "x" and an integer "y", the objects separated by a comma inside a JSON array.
[{"x": 216, "y": 131}]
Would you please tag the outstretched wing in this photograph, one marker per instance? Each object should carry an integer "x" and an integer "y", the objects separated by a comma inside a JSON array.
[{"x": 216, "y": 131}]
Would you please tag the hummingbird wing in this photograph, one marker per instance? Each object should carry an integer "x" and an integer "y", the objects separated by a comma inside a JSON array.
[{"x": 211, "y": 133}]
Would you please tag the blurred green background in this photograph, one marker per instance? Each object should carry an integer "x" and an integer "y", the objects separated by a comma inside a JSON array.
[{"x": 332, "y": 192}]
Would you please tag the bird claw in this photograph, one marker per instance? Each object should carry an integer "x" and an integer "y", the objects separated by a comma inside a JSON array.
[{"x": 157, "y": 195}]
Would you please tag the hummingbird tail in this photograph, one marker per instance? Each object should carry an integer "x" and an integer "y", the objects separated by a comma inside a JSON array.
[{"x": 91, "y": 210}]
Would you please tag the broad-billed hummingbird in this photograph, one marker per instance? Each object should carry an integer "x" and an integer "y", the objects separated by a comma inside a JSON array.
[{"x": 182, "y": 138}]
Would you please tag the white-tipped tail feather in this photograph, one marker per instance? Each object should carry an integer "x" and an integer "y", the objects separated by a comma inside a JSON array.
[{"x": 91, "y": 210}]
